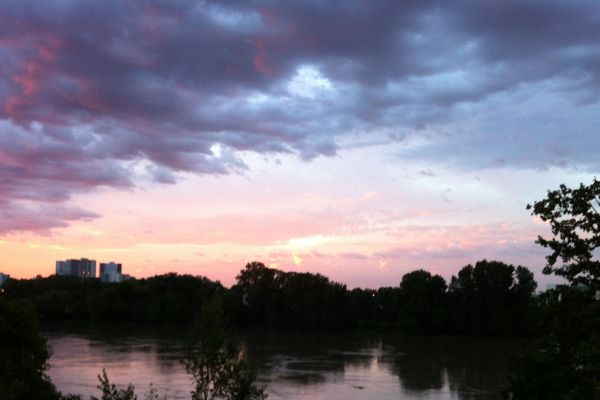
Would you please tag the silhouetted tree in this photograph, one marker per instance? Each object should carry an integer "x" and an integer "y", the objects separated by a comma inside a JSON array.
[
  {"x": 308, "y": 301},
  {"x": 574, "y": 217},
  {"x": 364, "y": 308},
  {"x": 169, "y": 298},
  {"x": 275, "y": 298},
  {"x": 388, "y": 306},
  {"x": 422, "y": 302},
  {"x": 218, "y": 368},
  {"x": 492, "y": 298},
  {"x": 111, "y": 392},
  {"x": 23, "y": 355},
  {"x": 256, "y": 285},
  {"x": 565, "y": 365}
]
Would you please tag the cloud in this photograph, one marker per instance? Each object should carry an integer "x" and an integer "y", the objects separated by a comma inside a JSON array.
[
  {"x": 242, "y": 229},
  {"x": 161, "y": 174},
  {"x": 87, "y": 88},
  {"x": 40, "y": 172},
  {"x": 15, "y": 217},
  {"x": 439, "y": 244}
]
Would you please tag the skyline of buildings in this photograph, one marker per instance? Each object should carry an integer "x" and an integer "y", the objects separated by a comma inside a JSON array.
[{"x": 86, "y": 268}]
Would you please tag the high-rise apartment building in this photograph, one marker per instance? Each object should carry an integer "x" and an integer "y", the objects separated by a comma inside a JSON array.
[
  {"x": 111, "y": 272},
  {"x": 82, "y": 268}
]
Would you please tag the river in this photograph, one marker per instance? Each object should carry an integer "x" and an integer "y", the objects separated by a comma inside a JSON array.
[{"x": 293, "y": 365}]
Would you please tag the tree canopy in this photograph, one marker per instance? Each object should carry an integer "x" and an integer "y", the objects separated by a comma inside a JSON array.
[
  {"x": 492, "y": 298},
  {"x": 24, "y": 354},
  {"x": 574, "y": 218}
]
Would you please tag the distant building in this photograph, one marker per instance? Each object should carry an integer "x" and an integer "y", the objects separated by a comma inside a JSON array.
[
  {"x": 82, "y": 268},
  {"x": 111, "y": 272},
  {"x": 3, "y": 278}
]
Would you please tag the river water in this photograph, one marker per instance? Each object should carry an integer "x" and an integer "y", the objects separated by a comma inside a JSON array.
[{"x": 293, "y": 365}]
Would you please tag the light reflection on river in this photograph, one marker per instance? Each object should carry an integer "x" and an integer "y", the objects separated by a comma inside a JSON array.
[{"x": 294, "y": 365}]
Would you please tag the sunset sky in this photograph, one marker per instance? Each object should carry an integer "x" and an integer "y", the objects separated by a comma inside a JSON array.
[{"x": 358, "y": 139}]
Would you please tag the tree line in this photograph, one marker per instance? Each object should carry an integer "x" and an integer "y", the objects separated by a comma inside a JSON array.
[{"x": 489, "y": 298}]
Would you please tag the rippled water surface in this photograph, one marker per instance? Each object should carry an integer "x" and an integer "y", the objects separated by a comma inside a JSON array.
[{"x": 293, "y": 365}]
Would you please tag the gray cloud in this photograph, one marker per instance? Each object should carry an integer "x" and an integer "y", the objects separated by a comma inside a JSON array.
[{"x": 87, "y": 87}]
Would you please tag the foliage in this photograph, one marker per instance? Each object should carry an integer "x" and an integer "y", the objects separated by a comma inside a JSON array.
[
  {"x": 565, "y": 365},
  {"x": 266, "y": 296},
  {"x": 547, "y": 374},
  {"x": 292, "y": 300},
  {"x": 218, "y": 368},
  {"x": 110, "y": 391},
  {"x": 24, "y": 354},
  {"x": 422, "y": 302},
  {"x": 169, "y": 298},
  {"x": 492, "y": 298},
  {"x": 256, "y": 285},
  {"x": 573, "y": 215},
  {"x": 366, "y": 309}
]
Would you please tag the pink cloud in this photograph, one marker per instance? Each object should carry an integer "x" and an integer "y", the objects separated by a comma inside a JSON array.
[
  {"x": 243, "y": 229},
  {"x": 40, "y": 219}
]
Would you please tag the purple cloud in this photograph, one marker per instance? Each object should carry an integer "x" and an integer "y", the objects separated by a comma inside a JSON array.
[
  {"x": 88, "y": 87},
  {"x": 19, "y": 216}
]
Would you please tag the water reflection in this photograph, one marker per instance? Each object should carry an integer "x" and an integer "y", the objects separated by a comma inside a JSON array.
[
  {"x": 466, "y": 367},
  {"x": 295, "y": 365}
]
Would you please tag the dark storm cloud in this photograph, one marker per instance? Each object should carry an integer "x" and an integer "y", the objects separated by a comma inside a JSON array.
[{"x": 87, "y": 87}]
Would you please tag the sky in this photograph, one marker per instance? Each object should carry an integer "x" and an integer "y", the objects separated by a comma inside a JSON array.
[{"x": 358, "y": 139}]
